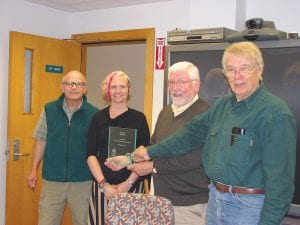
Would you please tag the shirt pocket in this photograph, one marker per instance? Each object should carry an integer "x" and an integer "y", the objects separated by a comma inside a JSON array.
[
  {"x": 240, "y": 152},
  {"x": 212, "y": 145}
]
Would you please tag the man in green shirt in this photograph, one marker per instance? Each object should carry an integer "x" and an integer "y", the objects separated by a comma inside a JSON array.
[{"x": 249, "y": 146}]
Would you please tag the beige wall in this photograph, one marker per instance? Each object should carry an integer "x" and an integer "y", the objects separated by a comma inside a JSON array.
[{"x": 128, "y": 57}]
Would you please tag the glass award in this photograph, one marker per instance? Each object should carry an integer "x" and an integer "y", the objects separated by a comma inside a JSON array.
[{"x": 121, "y": 141}]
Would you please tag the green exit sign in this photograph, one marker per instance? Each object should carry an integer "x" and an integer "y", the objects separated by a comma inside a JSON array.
[{"x": 54, "y": 69}]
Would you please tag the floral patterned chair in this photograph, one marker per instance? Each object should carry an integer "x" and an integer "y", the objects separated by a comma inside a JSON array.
[{"x": 139, "y": 209}]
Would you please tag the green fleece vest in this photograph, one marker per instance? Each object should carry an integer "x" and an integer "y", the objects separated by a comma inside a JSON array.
[{"x": 65, "y": 152}]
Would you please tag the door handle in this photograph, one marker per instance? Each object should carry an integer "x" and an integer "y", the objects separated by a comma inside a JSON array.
[
  {"x": 21, "y": 154},
  {"x": 16, "y": 145}
]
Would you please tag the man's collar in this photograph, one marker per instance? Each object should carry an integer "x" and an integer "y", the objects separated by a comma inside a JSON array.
[{"x": 177, "y": 110}]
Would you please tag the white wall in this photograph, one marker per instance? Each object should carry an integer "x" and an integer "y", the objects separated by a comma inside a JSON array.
[
  {"x": 164, "y": 16},
  {"x": 285, "y": 14}
]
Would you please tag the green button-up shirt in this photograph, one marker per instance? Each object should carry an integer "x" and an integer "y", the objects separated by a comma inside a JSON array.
[{"x": 262, "y": 156}]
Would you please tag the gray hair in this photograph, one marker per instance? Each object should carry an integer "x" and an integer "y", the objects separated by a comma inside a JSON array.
[
  {"x": 192, "y": 70},
  {"x": 245, "y": 48}
]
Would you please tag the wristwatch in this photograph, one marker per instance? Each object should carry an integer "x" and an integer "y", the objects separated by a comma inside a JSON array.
[
  {"x": 102, "y": 185},
  {"x": 154, "y": 170},
  {"x": 130, "y": 158},
  {"x": 131, "y": 182}
]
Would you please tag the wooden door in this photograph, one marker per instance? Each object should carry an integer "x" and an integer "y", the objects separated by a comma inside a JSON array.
[{"x": 27, "y": 96}]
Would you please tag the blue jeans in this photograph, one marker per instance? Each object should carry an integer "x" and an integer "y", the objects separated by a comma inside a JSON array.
[{"x": 233, "y": 209}]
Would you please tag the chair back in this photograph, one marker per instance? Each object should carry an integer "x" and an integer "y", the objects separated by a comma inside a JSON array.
[{"x": 139, "y": 209}]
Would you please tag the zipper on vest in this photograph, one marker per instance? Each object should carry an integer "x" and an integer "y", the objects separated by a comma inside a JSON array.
[{"x": 67, "y": 150}]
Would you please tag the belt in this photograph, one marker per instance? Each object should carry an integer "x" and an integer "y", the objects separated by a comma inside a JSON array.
[{"x": 238, "y": 190}]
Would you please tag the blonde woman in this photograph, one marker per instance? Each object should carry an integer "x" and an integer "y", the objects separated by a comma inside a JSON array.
[{"x": 116, "y": 92}]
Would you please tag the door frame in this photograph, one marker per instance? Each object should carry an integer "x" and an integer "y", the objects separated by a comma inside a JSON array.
[{"x": 147, "y": 35}]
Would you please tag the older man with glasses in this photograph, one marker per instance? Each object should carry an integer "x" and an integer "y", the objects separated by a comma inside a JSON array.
[
  {"x": 249, "y": 146},
  {"x": 61, "y": 136}
]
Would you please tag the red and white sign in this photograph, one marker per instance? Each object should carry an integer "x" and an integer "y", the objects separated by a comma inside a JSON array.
[{"x": 160, "y": 53}]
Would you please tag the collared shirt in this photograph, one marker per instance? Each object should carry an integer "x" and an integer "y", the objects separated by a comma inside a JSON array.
[
  {"x": 262, "y": 157},
  {"x": 40, "y": 132},
  {"x": 177, "y": 110}
]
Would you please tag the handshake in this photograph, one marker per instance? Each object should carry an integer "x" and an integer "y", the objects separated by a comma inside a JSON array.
[{"x": 119, "y": 162}]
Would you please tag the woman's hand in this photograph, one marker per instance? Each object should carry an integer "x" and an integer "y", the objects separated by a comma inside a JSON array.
[
  {"x": 124, "y": 186},
  {"x": 109, "y": 191},
  {"x": 117, "y": 163}
]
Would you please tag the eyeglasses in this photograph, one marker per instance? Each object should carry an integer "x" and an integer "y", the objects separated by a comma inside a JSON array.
[
  {"x": 244, "y": 70},
  {"x": 70, "y": 84},
  {"x": 179, "y": 83}
]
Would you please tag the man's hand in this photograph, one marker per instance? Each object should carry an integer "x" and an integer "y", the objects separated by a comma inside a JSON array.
[
  {"x": 31, "y": 180},
  {"x": 37, "y": 155},
  {"x": 140, "y": 154},
  {"x": 117, "y": 163},
  {"x": 141, "y": 168}
]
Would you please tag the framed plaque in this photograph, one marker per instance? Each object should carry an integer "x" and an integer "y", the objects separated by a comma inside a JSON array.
[{"x": 121, "y": 141}]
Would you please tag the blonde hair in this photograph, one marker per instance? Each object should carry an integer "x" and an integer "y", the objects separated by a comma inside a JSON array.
[{"x": 107, "y": 82}]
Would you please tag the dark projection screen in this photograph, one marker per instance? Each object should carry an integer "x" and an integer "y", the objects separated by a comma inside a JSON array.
[{"x": 281, "y": 76}]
